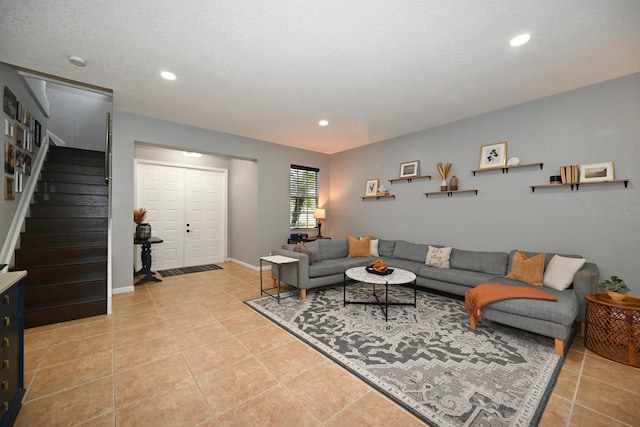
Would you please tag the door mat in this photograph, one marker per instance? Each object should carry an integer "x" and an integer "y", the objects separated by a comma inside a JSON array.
[{"x": 187, "y": 270}]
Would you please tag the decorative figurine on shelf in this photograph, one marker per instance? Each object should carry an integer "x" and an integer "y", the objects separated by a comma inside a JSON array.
[
  {"x": 382, "y": 190},
  {"x": 443, "y": 171},
  {"x": 453, "y": 183}
]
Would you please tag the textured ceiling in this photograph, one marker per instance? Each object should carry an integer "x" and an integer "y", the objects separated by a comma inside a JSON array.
[{"x": 375, "y": 69}]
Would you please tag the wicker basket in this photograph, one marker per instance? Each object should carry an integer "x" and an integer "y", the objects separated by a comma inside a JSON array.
[{"x": 613, "y": 328}]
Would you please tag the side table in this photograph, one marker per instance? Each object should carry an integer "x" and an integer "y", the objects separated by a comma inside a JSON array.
[
  {"x": 613, "y": 328},
  {"x": 145, "y": 257},
  {"x": 277, "y": 261}
]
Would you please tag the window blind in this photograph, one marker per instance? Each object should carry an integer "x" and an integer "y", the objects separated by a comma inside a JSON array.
[{"x": 303, "y": 196}]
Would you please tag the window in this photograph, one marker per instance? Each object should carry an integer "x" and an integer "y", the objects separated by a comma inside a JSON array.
[{"x": 303, "y": 196}]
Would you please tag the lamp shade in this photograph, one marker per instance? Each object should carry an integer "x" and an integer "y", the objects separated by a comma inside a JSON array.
[{"x": 319, "y": 214}]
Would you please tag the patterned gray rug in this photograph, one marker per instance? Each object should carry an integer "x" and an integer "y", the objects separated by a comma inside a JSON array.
[
  {"x": 426, "y": 358},
  {"x": 187, "y": 270}
]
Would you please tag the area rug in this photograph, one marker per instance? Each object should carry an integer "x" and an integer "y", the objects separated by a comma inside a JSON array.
[
  {"x": 187, "y": 270},
  {"x": 426, "y": 358}
]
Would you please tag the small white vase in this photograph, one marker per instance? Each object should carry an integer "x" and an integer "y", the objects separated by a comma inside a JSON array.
[{"x": 443, "y": 185}]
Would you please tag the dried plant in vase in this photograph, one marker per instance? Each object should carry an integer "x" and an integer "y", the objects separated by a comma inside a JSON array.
[
  {"x": 139, "y": 215},
  {"x": 443, "y": 171}
]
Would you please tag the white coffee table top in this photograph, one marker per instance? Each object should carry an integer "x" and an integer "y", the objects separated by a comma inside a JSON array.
[{"x": 398, "y": 277}]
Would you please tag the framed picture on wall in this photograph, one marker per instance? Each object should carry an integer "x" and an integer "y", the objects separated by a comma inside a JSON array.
[
  {"x": 9, "y": 103},
  {"x": 18, "y": 135},
  {"x": 372, "y": 187},
  {"x": 9, "y": 158},
  {"x": 9, "y": 191},
  {"x": 410, "y": 169},
  {"x": 597, "y": 172},
  {"x": 38, "y": 133},
  {"x": 18, "y": 112},
  {"x": 493, "y": 155}
]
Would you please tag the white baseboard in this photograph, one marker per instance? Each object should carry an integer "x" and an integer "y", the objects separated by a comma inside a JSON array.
[
  {"x": 249, "y": 266},
  {"x": 123, "y": 290}
]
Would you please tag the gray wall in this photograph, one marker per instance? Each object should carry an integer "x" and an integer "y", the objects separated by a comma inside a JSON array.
[
  {"x": 77, "y": 116},
  {"x": 259, "y": 200},
  {"x": 590, "y": 125}
]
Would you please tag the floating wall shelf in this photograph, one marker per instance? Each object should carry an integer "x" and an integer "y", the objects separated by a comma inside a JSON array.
[
  {"x": 410, "y": 178},
  {"x": 577, "y": 185},
  {"x": 450, "y": 193},
  {"x": 379, "y": 197},
  {"x": 505, "y": 169}
]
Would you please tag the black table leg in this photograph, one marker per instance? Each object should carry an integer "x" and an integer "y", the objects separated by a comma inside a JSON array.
[{"x": 145, "y": 257}]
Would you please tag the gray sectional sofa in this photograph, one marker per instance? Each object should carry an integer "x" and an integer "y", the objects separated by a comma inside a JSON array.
[{"x": 468, "y": 269}]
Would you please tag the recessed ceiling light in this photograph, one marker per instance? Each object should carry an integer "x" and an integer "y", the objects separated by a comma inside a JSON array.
[
  {"x": 520, "y": 40},
  {"x": 76, "y": 60},
  {"x": 323, "y": 122},
  {"x": 191, "y": 154},
  {"x": 168, "y": 75}
]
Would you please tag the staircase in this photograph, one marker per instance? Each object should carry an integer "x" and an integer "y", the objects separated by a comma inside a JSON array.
[{"x": 64, "y": 245}]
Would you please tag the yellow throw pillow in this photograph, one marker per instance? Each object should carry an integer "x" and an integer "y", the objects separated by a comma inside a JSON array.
[
  {"x": 359, "y": 247},
  {"x": 527, "y": 270}
]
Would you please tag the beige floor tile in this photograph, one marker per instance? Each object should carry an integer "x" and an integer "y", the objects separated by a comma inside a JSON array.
[
  {"x": 139, "y": 333},
  {"x": 82, "y": 331},
  {"x": 227, "y": 311},
  {"x": 69, "y": 407},
  {"x": 614, "y": 373},
  {"x": 33, "y": 358},
  {"x": 66, "y": 375},
  {"x": 274, "y": 407},
  {"x": 41, "y": 329},
  {"x": 608, "y": 400},
  {"x": 578, "y": 345},
  {"x": 151, "y": 378},
  {"x": 290, "y": 360},
  {"x": 182, "y": 405},
  {"x": 228, "y": 387},
  {"x": 556, "y": 412},
  {"x": 216, "y": 355},
  {"x": 144, "y": 352},
  {"x": 573, "y": 361},
  {"x": 316, "y": 389},
  {"x": 201, "y": 335},
  {"x": 134, "y": 319},
  {"x": 133, "y": 308},
  {"x": 107, "y": 420},
  {"x": 585, "y": 417},
  {"x": 69, "y": 351},
  {"x": 177, "y": 310},
  {"x": 263, "y": 339},
  {"x": 373, "y": 410},
  {"x": 38, "y": 340},
  {"x": 566, "y": 385},
  {"x": 83, "y": 321},
  {"x": 190, "y": 321},
  {"x": 246, "y": 322}
]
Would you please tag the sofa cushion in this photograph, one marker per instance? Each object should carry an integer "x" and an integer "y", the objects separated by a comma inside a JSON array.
[
  {"x": 410, "y": 251},
  {"x": 527, "y": 269},
  {"x": 314, "y": 247},
  {"x": 480, "y": 261},
  {"x": 560, "y": 271},
  {"x": 302, "y": 248},
  {"x": 332, "y": 249},
  {"x": 453, "y": 275},
  {"x": 547, "y": 258},
  {"x": 325, "y": 268},
  {"x": 373, "y": 247},
  {"x": 411, "y": 266},
  {"x": 438, "y": 257},
  {"x": 359, "y": 247},
  {"x": 386, "y": 247}
]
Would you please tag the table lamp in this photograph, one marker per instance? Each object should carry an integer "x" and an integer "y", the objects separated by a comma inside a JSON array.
[{"x": 319, "y": 214}]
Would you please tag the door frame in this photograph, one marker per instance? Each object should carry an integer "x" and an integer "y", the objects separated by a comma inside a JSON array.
[{"x": 225, "y": 245}]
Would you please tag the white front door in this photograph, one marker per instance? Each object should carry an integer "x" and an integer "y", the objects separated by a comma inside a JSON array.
[{"x": 187, "y": 210}]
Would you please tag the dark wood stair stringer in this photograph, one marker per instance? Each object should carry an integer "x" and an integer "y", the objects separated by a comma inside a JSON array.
[{"x": 64, "y": 243}]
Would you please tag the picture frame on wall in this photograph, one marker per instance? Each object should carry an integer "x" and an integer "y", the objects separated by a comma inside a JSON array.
[
  {"x": 9, "y": 158},
  {"x": 409, "y": 169},
  {"x": 493, "y": 155},
  {"x": 8, "y": 128},
  {"x": 371, "y": 188},
  {"x": 9, "y": 103},
  {"x": 18, "y": 112},
  {"x": 9, "y": 191},
  {"x": 18, "y": 135},
  {"x": 597, "y": 172},
  {"x": 38, "y": 133}
]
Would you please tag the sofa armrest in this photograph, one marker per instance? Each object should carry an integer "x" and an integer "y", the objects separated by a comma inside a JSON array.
[
  {"x": 585, "y": 282},
  {"x": 297, "y": 276}
]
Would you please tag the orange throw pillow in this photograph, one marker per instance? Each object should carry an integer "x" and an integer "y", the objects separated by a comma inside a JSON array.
[
  {"x": 359, "y": 247},
  {"x": 527, "y": 270}
]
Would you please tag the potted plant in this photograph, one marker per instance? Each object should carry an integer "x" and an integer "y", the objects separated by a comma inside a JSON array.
[
  {"x": 143, "y": 230},
  {"x": 616, "y": 288}
]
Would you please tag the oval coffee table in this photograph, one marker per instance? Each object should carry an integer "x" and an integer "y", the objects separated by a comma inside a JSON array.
[{"x": 398, "y": 277}]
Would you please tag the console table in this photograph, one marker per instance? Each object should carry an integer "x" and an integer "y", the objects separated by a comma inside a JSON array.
[
  {"x": 613, "y": 328},
  {"x": 145, "y": 257}
]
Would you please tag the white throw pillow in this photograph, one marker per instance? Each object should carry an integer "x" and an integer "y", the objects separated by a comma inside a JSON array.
[
  {"x": 560, "y": 271},
  {"x": 438, "y": 257},
  {"x": 373, "y": 245}
]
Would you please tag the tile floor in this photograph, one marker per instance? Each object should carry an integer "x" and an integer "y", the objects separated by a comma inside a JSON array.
[{"x": 188, "y": 352}]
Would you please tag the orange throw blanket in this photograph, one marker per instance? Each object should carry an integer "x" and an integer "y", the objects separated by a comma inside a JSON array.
[{"x": 487, "y": 293}]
